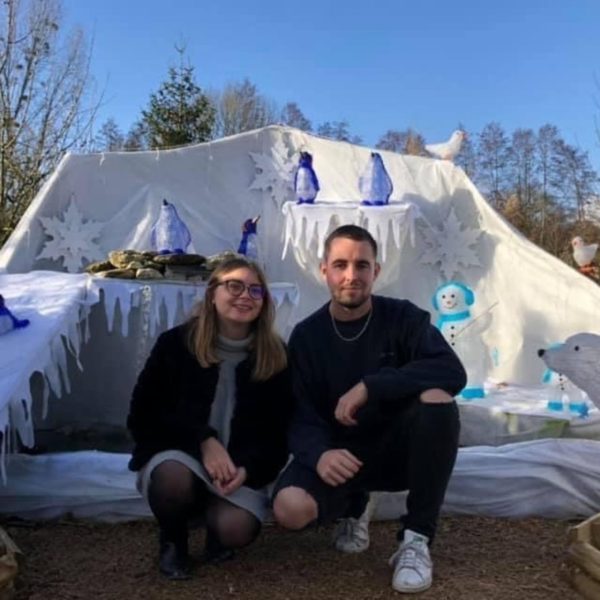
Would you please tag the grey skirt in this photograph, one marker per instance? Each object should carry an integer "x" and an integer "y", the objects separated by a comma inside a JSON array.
[{"x": 254, "y": 501}]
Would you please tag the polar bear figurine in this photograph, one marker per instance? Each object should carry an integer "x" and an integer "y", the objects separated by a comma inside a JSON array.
[
  {"x": 578, "y": 358},
  {"x": 453, "y": 301}
]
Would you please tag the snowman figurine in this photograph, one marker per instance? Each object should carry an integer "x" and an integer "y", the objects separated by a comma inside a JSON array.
[
  {"x": 563, "y": 394},
  {"x": 453, "y": 301}
]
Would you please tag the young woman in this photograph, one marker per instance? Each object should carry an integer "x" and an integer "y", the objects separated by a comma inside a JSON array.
[{"x": 209, "y": 418}]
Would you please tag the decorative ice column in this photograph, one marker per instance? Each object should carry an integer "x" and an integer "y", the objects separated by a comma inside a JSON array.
[{"x": 308, "y": 225}]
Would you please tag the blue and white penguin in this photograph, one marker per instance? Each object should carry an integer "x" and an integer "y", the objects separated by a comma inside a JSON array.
[
  {"x": 249, "y": 242},
  {"x": 8, "y": 321},
  {"x": 170, "y": 234},
  {"x": 375, "y": 184},
  {"x": 306, "y": 184}
]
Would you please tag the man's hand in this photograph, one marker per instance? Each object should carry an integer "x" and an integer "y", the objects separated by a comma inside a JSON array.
[
  {"x": 436, "y": 396},
  {"x": 217, "y": 462},
  {"x": 350, "y": 402},
  {"x": 335, "y": 467}
]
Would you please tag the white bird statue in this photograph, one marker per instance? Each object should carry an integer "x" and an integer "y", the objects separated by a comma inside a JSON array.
[
  {"x": 583, "y": 254},
  {"x": 447, "y": 150}
]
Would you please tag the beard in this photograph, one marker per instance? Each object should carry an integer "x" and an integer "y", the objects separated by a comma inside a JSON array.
[{"x": 351, "y": 302}]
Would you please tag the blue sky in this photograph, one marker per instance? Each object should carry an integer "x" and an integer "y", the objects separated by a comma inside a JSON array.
[{"x": 379, "y": 65}]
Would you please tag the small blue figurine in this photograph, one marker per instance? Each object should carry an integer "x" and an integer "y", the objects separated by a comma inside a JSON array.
[
  {"x": 375, "y": 184},
  {"x": 306, "y": 184},
  {"x": 248, "y": 244},
  {"x": 169, "y": 233},
  {"x": 8, "y": 321}
]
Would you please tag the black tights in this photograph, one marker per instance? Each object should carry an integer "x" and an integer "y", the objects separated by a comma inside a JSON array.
[{"x": 177, "y": 496}]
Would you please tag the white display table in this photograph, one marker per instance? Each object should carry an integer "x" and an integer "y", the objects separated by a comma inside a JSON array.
[
  {"x": 55, "y": 303},
  {"x": 58, "y": 306}
]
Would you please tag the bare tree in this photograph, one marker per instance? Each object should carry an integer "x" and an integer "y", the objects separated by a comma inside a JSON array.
[
  {"x": 522, "y": 161},
  {"x": 493, "y": 161},
  {"x": 240, "y": 107},
  {"x": 574, "y": 176},
  {"x": 45, "y": 104},
  {"x": 467, "y": 157},
  {"x": 292, "y": 115},
  {"x": 109, "y": 137},
  {"x": 338, "y": 130},
  {"x": 407, "y": 141}
]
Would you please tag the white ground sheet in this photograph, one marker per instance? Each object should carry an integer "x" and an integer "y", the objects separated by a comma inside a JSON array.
[{"x": 546, "y": 478}]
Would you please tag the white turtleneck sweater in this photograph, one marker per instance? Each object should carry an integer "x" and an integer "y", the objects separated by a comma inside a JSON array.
[{"x": 231, "y": 353}]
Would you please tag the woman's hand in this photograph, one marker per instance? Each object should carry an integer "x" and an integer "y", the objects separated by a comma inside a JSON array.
[
  {"x": 217, "y": 462},
  {"x": 235, "y": 483}
]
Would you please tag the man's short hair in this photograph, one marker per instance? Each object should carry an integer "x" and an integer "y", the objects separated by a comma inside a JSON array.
[{"x": 351, "y": 232}]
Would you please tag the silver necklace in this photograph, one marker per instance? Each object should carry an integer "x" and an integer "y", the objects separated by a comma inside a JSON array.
[{"x": 353, "y": 338}]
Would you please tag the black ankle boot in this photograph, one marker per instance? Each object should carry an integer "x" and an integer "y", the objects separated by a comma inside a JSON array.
[
  {"x": 214, "y": 552},
  {"x": 173, "y": 559}
]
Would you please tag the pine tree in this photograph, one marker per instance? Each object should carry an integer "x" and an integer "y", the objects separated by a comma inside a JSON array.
[{"x": 179, "y": 113}]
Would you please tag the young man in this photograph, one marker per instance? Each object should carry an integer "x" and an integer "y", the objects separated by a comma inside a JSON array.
[{"x": 374, "y": 384}]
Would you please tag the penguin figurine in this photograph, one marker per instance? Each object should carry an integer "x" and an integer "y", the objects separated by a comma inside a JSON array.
[
  {"x": 249, "y": 242},
  {"x": 170, "y": 234},
  {"x": 306, "y": 184},
  {"x": 375, "y": 184},
  {"x": 8, "y": 321}
]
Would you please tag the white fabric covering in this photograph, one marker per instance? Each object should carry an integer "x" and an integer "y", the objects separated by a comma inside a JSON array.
[
  {"x": 436, "y": 226},
  {"x": 55, "y": 304},
  {"x": 217, "y": 185},
  {"x": 544, "y": 478}
]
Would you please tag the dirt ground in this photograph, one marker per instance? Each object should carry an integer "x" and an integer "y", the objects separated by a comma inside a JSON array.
[{"x": 474, "y": 559}]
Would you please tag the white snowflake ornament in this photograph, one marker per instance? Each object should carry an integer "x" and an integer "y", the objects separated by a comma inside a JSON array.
[
  {"x": 72, "y": 239},
  {"x": 451, "y": 246},
  {"x": 274, "y": 171}
]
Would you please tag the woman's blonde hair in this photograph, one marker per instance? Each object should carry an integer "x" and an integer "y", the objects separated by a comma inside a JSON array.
[{"x": 267, "y": 349}]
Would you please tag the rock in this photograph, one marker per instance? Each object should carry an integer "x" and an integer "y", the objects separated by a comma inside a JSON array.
[
  {"x": 135, "y": 264},
  {"x": 216, "y": 259},
  {"x": 148, "y": 273},
  {"x": 121, "y": 258},
  {"x": 118, "y": 274},
  {"x": 179, "y": 259},
  {"x": 101, "y": 265}
]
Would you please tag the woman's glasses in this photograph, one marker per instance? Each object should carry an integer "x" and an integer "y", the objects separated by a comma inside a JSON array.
[{"x": 236, "y": 288}]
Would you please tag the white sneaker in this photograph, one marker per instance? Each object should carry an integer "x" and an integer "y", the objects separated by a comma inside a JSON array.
[
  {"x": 352, "y": 535},
  {"x": 412, "y": 564}
]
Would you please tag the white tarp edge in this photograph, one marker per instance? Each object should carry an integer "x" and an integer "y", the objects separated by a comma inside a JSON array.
[{"x": 554, "y": 478}]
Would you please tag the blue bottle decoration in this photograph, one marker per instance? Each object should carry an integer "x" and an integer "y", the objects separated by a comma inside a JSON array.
[
  {"x": 170, "y": 234},
  {"x": 249, "y": 242},
  {"x": 306, "y": 184},
  {"x": 8, "y": 321},
  {"x": 375, "y": 184}
]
